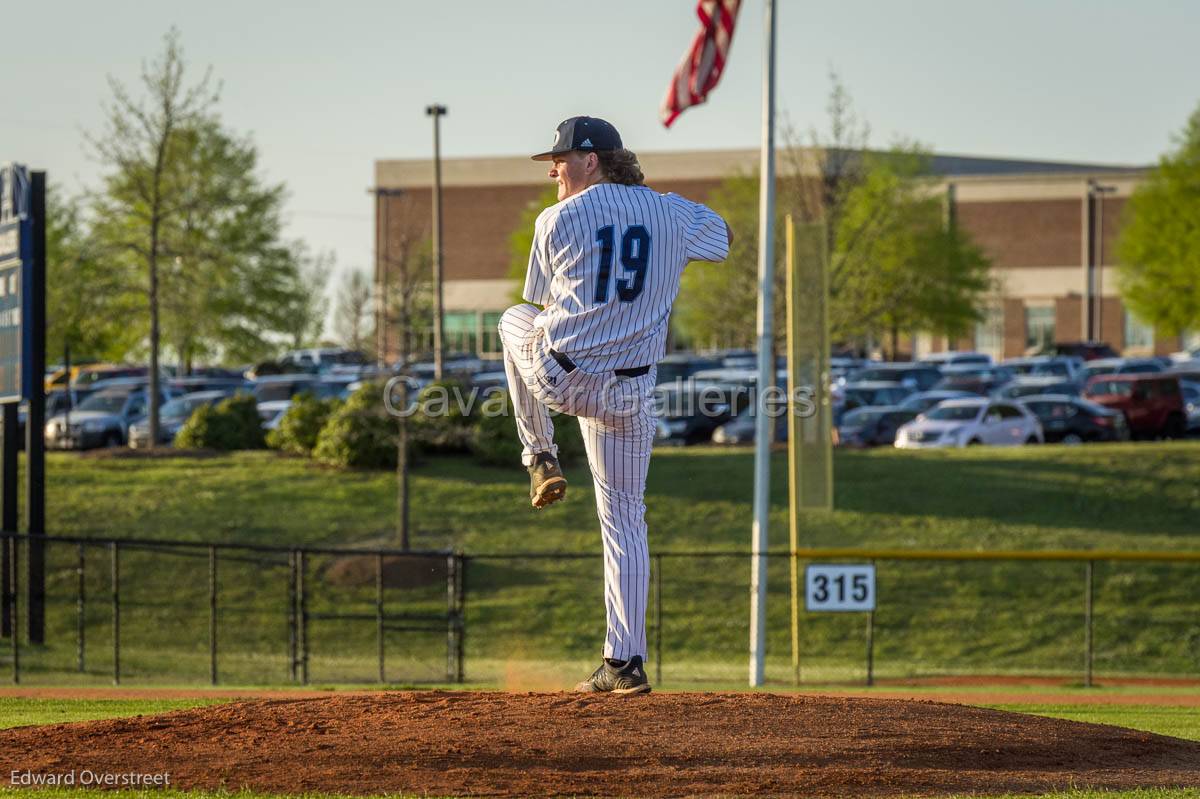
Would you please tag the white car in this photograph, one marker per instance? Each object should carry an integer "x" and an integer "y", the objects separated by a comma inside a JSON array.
[{"x": 963, "y": 422}]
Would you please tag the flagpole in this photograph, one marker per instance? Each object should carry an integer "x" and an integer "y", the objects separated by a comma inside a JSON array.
[{"x": 766, "y": 360}]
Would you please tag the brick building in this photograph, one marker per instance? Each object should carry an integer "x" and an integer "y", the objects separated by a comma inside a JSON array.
[{"x": 1030, "y": 217}]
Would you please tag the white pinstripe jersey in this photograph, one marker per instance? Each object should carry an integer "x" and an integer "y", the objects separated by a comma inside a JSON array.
[{"x": 606, "y": 264}]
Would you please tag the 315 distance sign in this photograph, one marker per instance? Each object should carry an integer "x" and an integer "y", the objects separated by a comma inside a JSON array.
[{"x": 839, "y": 587}]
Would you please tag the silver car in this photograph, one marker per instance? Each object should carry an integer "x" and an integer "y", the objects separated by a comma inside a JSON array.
[
  {"x": 965, "y": 422},
  {"x": 101, "y": 420}
]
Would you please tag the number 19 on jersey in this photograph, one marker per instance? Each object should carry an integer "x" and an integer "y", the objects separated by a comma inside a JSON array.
[{"x": 845, "y": 588}]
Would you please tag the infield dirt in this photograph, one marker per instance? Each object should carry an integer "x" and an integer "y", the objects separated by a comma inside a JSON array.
[{"x": 504, "y": 744}]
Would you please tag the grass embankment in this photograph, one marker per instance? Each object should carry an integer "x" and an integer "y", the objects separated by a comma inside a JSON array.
[{"x": 529, "y": 622}]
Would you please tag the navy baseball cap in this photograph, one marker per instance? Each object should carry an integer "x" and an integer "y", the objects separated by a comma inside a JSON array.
[{"x": 588, "y": 134}]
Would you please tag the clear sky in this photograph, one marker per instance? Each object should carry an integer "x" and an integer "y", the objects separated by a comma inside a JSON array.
[{"x": 326, "y": 88}]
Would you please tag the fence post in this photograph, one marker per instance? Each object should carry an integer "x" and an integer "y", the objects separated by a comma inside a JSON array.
[
  {"x": 461, "y": 617},
  {"x": 451, "y": 592},
  {"x": 658, "y": 619},
  {"x": 212, "y": 614},
  {"x": 291, "y": 614},
  {"x": 114, "y": 550},
  {"x": 80, "y": 610},
  {"x": 302, "y": 590},
  {"x": 15, "y": 625},
  {"x": 870, "y": 647},
  {"x": 7, "y": 545},
  {"x": 1087, "y": 623},
  {"x": 379, "y": 611}
]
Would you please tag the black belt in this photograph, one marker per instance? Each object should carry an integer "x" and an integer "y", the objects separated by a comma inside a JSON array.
[{"x": 569, "y": 366}]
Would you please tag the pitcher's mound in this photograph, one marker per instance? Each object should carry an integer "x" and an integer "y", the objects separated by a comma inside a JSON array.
[{"x": 450, "y": 743}]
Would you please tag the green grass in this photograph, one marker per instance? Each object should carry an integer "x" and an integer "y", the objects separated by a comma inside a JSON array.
[
  {"x": 538, "y": 623},
  {"x": 1147, "y": 793},
  {"x": 1179, "y": 722},
  {"x": 21, "y": 712}
]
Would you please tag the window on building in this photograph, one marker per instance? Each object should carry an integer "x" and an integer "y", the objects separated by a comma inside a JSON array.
[
  {"x": 459, "y": 330},
  {"x": 1138, "y": 334},
  {"x": 989, "y": 332},
  {"x": 491, "y": 336},
  {"x": 1039, "y": 326},
  {"x": 472, "y": 332}
]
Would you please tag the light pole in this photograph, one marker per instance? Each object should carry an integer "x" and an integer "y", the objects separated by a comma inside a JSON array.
[
  {"x": 1098, "y": 191},
  {"x": 437, "y": 112}
]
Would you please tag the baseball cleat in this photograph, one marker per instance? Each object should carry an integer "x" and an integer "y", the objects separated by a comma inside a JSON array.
[
  {"x": 546, "y": 482},
  {"x": 629, "y": 679}
]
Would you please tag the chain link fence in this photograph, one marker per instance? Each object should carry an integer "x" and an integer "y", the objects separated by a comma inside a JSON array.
[{"x": 173, "y": 612}]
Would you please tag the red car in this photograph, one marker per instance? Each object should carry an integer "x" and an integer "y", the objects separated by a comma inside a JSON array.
[{"x": 1152, "y": 403}]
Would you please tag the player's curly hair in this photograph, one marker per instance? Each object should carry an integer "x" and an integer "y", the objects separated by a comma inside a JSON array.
[{"x": 621, "y": 166}]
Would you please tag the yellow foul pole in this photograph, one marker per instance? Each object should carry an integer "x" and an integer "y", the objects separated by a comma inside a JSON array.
[{"x": 793, "y": 364}]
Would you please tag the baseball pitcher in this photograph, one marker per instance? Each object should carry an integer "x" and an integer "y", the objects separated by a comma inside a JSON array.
[{"x": 605, "y": 266}]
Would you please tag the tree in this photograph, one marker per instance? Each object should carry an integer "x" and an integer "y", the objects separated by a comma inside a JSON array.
[
  {"x": 231, "y": 287},
  {"x": 352, "y": 322},
  {"x": 89, "y": 299},
  {"x": 185, "y": 209},
  {"x": 140, "y": 147},
  {"x": 1159, "y": 246}
]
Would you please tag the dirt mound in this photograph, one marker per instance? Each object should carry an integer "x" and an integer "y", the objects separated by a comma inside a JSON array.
[
  {"x": 658, "y": 745},
  {"x": 400, "y": 571}
]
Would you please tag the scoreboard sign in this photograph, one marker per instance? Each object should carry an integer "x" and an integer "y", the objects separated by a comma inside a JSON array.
[{"x": 16, "y": 264}]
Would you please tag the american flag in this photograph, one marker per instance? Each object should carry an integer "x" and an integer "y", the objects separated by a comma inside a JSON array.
[{"x": 703, "y": 63}]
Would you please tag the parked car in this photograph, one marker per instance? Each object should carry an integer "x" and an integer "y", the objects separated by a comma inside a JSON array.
[
  {"x": 1032, "y": 385},
  {"x": 868, "y": 393},
  {"x": 872, "y": 426},
  {"x": 320, "y": 359},
  {"x": 955, "y": 358},
  {"x": 195, "y": 383},
  {"x": 966, "y": 422},
  {"x": 1073, "y": 420},
  {"x": 101, "y": 420},
  {"x": 88, "y": 376},
  {"x": 841, "y": 366},
  {"x": 272, "y": 411},
  {"x": 1152, "y": 403},
  {"x": 1119, "y": 366},
  {"x": 689, "y": 412},
  {"x": 742, "y": 428},
  {"x": 172, "y": 416},
  {"x": 283, "y": 387},
  {"x": 455, "y": 365},
  {"x": 924, "y": 400},
  {"x": 1088, "y": 350},
  {"x": 1185, "y": 355},
  {"x": 915, "y": 376},
  {"x": 1191, "y": 405},
  {"x": 1063, "y": 366},
  {"x": 1187, "y": 371},
  {"x": 738, "y": 359},
  {"x": 681, "y": 365},
  {"x": 981, "y": 380}
]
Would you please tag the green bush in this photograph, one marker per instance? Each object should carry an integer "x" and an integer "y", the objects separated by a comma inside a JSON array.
[
  {"x": 359, "y": 432},
  {"x": 301, "y": 424},
  {"x": 495, "y": 441},
  {"x": 231, "y": 424},
  {"x": 439, "y": 424}
]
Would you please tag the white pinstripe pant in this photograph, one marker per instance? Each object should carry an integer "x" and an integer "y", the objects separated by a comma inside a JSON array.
[{"x": 616, "y": 417}]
